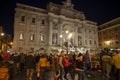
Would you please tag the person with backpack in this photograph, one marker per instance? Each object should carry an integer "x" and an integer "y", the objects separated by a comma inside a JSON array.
[{"x": 67, "y": 66}]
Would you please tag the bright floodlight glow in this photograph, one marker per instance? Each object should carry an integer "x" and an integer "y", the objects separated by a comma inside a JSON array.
[
  {"x": 67, "y": 31},
  {"x": 2, "y": 34},
  {"x": 70, "y": 35},
  {"x": 107, "y": 42},
  {"x": 11, "y": 43},
  {"x": 61, "y": 36}
]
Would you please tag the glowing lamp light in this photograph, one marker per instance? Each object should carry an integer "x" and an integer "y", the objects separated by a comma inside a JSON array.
[
  {"x": 11, "y": 43},
  {"x": 61, "y": 36},
  {"x": 70, "y": 35},
  {"x": 2, "y": 34},
  {"x": 107, "y": 42},
  {"x": 67, "y": 31}
]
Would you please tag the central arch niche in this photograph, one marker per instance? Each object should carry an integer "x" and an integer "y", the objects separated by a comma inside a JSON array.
[
  {"x": 68, "y": 28},
  {"x": 66, "y": 41}
]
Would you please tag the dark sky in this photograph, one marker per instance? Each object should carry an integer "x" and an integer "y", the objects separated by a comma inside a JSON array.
[{"x": 99, "y": 11}]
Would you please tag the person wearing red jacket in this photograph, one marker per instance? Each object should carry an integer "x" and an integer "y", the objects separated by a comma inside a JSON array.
[{"x": 67, "y": 66}]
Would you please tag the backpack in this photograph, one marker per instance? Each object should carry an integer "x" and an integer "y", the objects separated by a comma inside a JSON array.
[{"x": 66, "y": 62}]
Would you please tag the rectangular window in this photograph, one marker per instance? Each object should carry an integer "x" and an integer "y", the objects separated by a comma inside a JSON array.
[
  {"x": 90, "y": 42},
  {"x": 43, "y": 22},
  {"x": 22, "y": 18},
  {"x": 94, "y": 42},
  {"x": 32, "y": 37},
  {"x": 33, "y": 20},
  {"x": 110, "y": 37},
  {"x": 89, "y": 30},
  {"x": 116, "y": 42},
  {"x": 21, "y": 36},
  {"x": 42, "y": 38}
]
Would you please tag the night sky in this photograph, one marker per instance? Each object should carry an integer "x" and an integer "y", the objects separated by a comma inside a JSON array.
[{"x": 99, "y": 11}]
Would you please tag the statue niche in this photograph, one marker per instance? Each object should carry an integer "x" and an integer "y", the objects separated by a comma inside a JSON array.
[{"x": 54, "y": 38}]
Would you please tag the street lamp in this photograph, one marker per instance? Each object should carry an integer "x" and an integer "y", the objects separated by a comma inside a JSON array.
[{"x": 61, "y": 36}]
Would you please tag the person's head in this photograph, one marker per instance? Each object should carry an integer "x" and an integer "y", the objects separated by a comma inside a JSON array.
[
  {"x": 80, "y": 54},
  {"x": 80, "y": 58},
  {"x": 55, "y": 55},
  {"x": 66, "y": 55},
  {"x": 62, "y": 53}
]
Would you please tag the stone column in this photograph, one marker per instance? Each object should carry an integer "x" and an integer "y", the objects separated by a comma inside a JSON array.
[
  {"x": 60, "y": 33},
  {"x": 50, "y": 31},
  {"x": 76, "y": 36}
]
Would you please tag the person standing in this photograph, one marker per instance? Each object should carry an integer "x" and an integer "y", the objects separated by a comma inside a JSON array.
[
  {"x": 116, "y": 63},
  {"x": 16, "y": 59},
  {"x": 67, "y": 66},
  {"x": 55, "y": 66},
  {"x": 30, "y": 64},
  {"x": 106, "y": 65},
  {"x": 88, "y": 63},
  {"x": 43, "y": 64},
  {"x": 80, "y": 67},
  {"x": 62, "y": 54}
]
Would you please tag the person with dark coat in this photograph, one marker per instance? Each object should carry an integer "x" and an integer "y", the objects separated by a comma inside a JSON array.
[
  {"x": 16, "y": 59},
  {"x": 88, "y": 63},
  {"x": 30, "y": 64},
  {"x": 80, "y": 67}
]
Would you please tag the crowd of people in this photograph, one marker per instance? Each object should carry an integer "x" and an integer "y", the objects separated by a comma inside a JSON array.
[{"x": 58, "y": 67}]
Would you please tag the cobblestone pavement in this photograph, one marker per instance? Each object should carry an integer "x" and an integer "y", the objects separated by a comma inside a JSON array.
[{"x": 95, "y": 75}]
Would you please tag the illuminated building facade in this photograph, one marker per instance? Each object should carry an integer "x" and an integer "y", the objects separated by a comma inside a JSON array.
[
  {"x": 109, "y": 34},
  {"x": 55, "y": 28}
]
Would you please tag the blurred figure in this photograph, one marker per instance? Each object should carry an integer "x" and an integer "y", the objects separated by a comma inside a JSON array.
[
  {"x": 116, "y": 63},
  {"x": 106, "y": 65},
  {"x": 80, "y": 67},
  {"x": 88, "y": 63},
  {"x": 67, "y": 66},
  {"x": 30, "y": 64},
  {"x": 55, "y": 66},
  {"x": 16, "y": 59},
  {"x": 62, "y": 55},
  {"x": 43, "y": 64}
]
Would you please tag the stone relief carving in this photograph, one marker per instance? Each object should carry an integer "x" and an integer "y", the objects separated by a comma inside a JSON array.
[
  {"x": 55, "y": 25},
  {"x": 79, "y": 40},
  {"x": 54, "y": 38}
]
